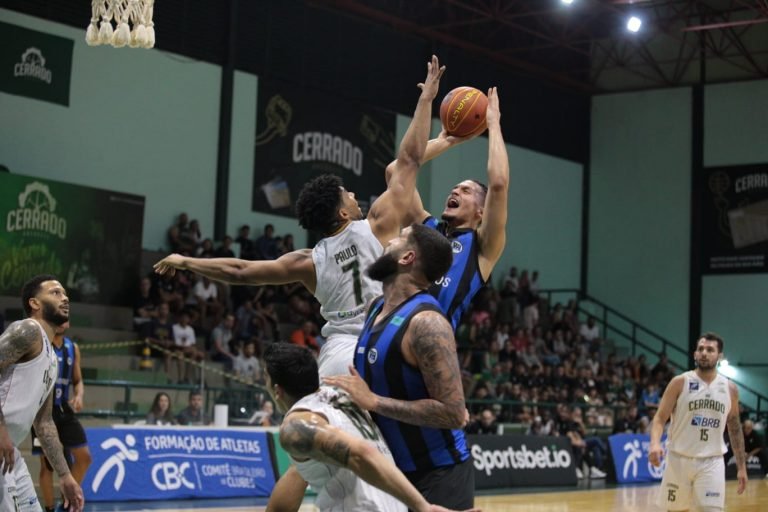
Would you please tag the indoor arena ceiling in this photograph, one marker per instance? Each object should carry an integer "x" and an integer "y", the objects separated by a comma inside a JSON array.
[
  {"x": 580, "y": 45},
  {"x": 585, "y": 44}
]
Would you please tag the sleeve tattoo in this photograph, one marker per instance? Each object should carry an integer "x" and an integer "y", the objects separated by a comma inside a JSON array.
[
  {"x": 433, "y": 345},
  {"x": 16, "y": 341},
  {"x": 46, "y": 432},
  {"x": 737, "y": 440},
  {"x": 304, "y": 439}
]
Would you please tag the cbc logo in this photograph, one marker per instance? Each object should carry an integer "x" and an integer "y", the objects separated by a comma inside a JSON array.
[{"x": 169, "y": 476}]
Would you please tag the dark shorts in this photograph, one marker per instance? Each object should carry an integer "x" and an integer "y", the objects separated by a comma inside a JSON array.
[
  {"x": 448, "y": 486},
  {"x": 71, "y": 433}
]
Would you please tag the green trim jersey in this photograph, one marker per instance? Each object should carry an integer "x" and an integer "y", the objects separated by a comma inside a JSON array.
[
  {"x": 343, "y": 288},
  {"x": 699, "y": 418}
]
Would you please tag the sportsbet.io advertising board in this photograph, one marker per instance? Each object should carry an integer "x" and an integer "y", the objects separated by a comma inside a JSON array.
[
  {"x": 89, "y": 238},
  {"x": 515, "y": 460},
  {"x": 160, "y": 463}
]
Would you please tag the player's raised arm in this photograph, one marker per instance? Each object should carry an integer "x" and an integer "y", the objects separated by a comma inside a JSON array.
[
  {"x": 293, "y": 267},
  {"x": 666, "y": 406},
  {"x": 389, "y": 212},
  {"x": 492, "y": 231},
  {"x": 306, "y": 435}
]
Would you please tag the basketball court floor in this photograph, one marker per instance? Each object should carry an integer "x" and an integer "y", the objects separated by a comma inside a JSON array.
[{"x": 605, "y": 498}]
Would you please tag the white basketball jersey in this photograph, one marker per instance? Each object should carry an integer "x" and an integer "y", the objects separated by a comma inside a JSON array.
[
  {"x": 339, "y": 489},
  {"x": 343, "y": 289},
  {"x": 24, "y": 387},
  {"x": 699, "y": 418}
]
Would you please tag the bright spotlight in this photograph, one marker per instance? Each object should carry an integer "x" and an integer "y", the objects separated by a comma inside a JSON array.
[
  {"x": 726, "y": 369},
  {"x": 567, "y": 2},
  {"x": 634, "y": 23}
]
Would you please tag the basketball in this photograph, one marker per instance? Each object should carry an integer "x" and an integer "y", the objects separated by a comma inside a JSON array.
[{"x": 462, "y": 111}]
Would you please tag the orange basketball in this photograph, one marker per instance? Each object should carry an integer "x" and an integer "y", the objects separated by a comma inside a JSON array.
[{"x": 463, "y": 111}]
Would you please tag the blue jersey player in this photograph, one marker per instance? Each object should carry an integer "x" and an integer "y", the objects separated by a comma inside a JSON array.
[{"x": 474, "y": 219}]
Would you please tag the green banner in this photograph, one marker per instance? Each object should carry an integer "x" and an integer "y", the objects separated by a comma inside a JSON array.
[
  {"x": 89, "y": 238},
  {"x": 35, "y": 64}
]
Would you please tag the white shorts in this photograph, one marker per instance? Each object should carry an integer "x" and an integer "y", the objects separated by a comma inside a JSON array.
[
  {"x": 703, "y": 477},
  {"x": 17, "y": 490},
  {"x": 336, "y": 355}
]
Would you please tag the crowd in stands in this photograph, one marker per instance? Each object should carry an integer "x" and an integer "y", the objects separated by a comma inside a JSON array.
[{"x": 524, "y": 360}]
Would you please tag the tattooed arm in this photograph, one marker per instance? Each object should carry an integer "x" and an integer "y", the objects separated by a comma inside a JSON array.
[
  {"x": 46, "y": 432},
  {"x": 429, "y": 345},
  {"x": 306, "y": 435},
  {"x": 20, "y": 341},
  {"x": 737, "y": 438}
]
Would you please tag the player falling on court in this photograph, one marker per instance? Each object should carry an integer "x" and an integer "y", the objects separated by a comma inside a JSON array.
[
  {"x": 335, "y": 445},
  {"x": 701, "y": 403},
  {"x": 333, "y": 271},
  {"x": 474, "y": 218},
  {"x": 28, "y": 369}
]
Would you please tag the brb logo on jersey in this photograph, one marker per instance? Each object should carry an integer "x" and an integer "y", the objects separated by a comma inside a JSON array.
[{"x": 703, "y": 421}]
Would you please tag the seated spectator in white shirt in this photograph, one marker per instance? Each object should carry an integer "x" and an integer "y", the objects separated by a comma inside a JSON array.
[
  {"x": 589, "y": 331},
  {"x": 207, "y": 295},
  {"x": 184, "y": 341},
  {"x": 247, "y": 366}
]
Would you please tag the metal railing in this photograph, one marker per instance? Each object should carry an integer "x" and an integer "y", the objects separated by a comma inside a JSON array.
[{"x": 639, "y": 338}]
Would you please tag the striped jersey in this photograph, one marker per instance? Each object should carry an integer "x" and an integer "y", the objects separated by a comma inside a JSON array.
[
  {"x": 66, "y": 357},
  {"x": 379, "y": 360},
  {"x": 456, "y": 289}
]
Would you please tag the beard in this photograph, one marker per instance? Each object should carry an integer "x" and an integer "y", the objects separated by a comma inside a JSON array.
[
  {"x": 709, "y": 365},
  {"x": 53, "y": 316},
  {"x": 383, "y": 268}
]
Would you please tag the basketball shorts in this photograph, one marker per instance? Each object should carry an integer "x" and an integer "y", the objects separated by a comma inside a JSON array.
[
  {"x": 336, "y": 355},
  {"x": 17, "y": 490},
  {"x": 449, "y": 486},
  {"x": 692, "y": 481}
]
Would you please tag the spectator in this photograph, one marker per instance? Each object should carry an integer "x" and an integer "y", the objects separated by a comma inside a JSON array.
[
  {"x": 225, "y": 251},
  {"x": 207, "y": 296},
  {"x": 145, "y": 305},
  {"x": 485, "y": 424},
  {"x": 174, "y": 233},
  {"x": 193, "y": 414},
  {"x": 266, "y": 245},
  {"x": 626, "y": 421},
  {"x": 184, "y": 341},
  {"x": 266, "y": 416},
  {"x": 754, "y": 446},
  {"x": 531, "y": 312},
  {"x": 287, "y": 244},
  {"x": 306, "y": 336},
  {"x": 190, "y": 237},
  {"x": 247, "y": 366},
  {"x": 589, "y": 331},
  {"x": 649, "y": 399},
  {"x": 160, "y": 413},
  {"x": 221, "y": 341},
  {"x": 246, "y": 245},
  {"x": 206, "y": 249},
  {"x": 529, "y": 357},
  {"x": 159, "y": 331}
]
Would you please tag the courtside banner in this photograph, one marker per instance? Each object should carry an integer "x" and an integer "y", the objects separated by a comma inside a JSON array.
[
  {"x": 87, "y": 237},
  {"x": 160, "y": 463},
  {"x": 35, "y": 64},
  {"x": 630, "y": 458},
  {"x": 734, "y": 219},
  {"x": 515, "y": 460},
  {"x": 302, "y": 133}
]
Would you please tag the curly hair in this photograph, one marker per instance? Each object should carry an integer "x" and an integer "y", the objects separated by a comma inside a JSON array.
[{"x": 318, "y": 203}]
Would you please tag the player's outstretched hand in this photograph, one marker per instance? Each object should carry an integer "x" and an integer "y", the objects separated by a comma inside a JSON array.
[
  {"x": 432, "y": 82},
  {"x": 72, "y": 493},
  {"x": 169, "y": 264},
  {"x": 655, "y": 454},
  {"x": 356, "y": 387},
  {"x": 742, "y": 476},
  {"x": 7, "y": 452}
]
